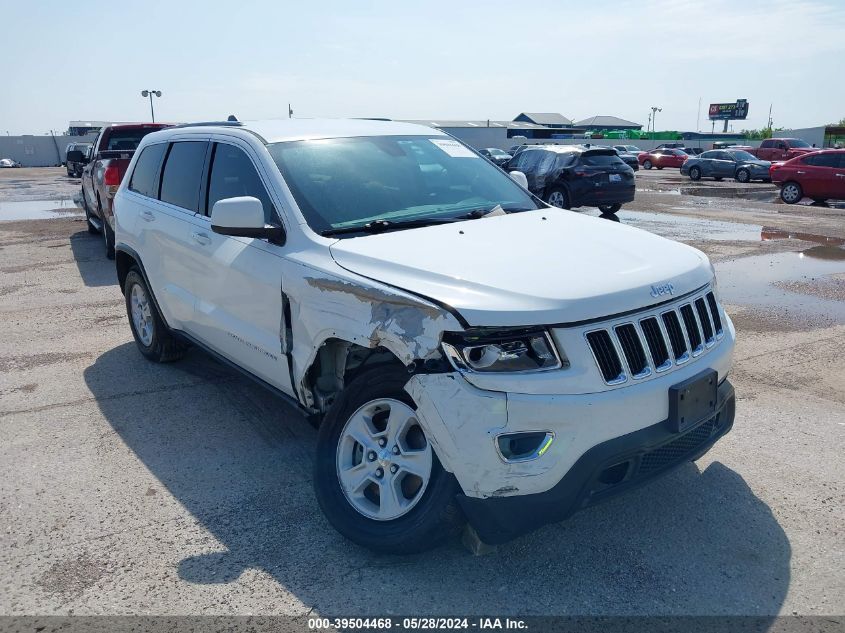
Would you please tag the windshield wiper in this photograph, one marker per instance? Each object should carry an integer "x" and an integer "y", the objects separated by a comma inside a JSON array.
[{"x": 379, "y": 226}]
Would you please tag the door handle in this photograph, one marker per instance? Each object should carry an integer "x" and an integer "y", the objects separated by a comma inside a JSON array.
[
  {"x": 800, "y": 172},
  {"x": 201, "y": 238},
  {"x": 840, "y": 175},
  {"x": 147, "y": 215}
]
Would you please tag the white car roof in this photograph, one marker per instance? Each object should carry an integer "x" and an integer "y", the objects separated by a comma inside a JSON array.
[{"x": 278, "y": 130}]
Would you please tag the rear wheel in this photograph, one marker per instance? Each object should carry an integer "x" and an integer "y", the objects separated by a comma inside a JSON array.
[
  {"x": 153, "y": 338},
  {"x": 743, "y": 175},
  {"x": 647, "y": 164},
  {"x": 108, "y": 236},
  {"x": 608, "y": 209},
  {"x": 376, "y": 476},
  {"x": 559, "y": 198},
  {"x": 694, "y": 173},
  {"x": 93, "y": 230},
  {"x": 791, "y": 193}
]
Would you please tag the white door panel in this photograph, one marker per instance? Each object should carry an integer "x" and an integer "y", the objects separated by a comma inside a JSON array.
[
  {"x": 239, "y": 305},
  {"x": 164, "y": 233}
]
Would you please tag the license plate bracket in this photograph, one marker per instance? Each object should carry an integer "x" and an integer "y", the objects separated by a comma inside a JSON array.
[
  {"x": 693, "y": 400},
  {"x": 615, "y": 178}
]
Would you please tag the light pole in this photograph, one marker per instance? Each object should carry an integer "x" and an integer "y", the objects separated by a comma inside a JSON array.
[
  {"x": 150, "y": 94},
  {"x": 654, "y": 111}
]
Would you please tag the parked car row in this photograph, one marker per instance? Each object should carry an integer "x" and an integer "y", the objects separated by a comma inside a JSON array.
[{"x": 449, "y": 388}]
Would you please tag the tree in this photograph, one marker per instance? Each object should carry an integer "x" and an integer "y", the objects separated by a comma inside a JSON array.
[{"x": 757, "y": 135}]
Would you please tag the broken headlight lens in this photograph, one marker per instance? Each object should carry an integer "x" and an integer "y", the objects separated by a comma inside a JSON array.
[{"x": 531, "y": 351}]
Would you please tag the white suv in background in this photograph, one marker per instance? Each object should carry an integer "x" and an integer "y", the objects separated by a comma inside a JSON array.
[{"x": 468, "y": 352}]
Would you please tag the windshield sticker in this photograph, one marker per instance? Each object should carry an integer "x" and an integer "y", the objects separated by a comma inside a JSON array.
[{"x": 453, "y": 148}]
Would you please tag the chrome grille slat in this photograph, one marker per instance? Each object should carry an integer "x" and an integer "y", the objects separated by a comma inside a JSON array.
[{"x": 655, "y": 342}]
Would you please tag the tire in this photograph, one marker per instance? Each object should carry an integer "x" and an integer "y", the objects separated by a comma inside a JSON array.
[
  {"x": 647, "y": 164},
  {"x": 559, "y": 198},
  {"x": 743, "y": 175},
  {"x": 93, "y": 230},
  {"x": 609, "y": 209},
  {"x": 108, "y": 236},
  {"x": 429, "y": 517},
  {"x": 69, "y": 173},
  {"x": 695, "y": 173},
  {"x": 156, "y": 343},
  {"x": 791, "y": 192}
]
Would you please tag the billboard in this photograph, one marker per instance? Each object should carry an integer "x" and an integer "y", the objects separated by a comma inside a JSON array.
[{"x": 729, "y": 111}]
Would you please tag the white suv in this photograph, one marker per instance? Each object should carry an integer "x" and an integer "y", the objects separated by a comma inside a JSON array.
[{"x": 468, "y": 352}]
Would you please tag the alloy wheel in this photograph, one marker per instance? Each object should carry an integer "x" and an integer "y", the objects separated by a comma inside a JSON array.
[
  {"x": 383, "y": 460},
  {"x": 142, "y": 318}
]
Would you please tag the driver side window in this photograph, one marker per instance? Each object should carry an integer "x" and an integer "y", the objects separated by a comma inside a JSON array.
[{"x": 233, "y": 175}]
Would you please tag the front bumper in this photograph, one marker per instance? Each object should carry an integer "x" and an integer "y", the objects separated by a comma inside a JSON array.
[{"x": 609, "y": 468}]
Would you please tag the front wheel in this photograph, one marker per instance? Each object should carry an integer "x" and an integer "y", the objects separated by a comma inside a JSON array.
[
  {"x": 608, "y": 209},
  {"x": 791, "y": 193},
  {"x": 647, "y": 164},
  {"x": 694, "y": 173},
  {"x": 376, "y": 476},
  {"x": 743, "y": 175},
  {"x": 559, "y": 198}
]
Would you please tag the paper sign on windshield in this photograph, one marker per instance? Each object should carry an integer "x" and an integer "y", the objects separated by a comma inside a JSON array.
[{"x": 453, "y": 148}]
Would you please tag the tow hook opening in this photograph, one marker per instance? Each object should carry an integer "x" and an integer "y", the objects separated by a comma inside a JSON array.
[{"x": 522, "y": 447}]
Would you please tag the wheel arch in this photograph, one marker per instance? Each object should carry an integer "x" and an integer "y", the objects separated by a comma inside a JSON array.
[{"x": 335, "y": 363}]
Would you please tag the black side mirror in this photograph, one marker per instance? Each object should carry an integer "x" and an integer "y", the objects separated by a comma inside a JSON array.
[{"x": 75, "y": 156}]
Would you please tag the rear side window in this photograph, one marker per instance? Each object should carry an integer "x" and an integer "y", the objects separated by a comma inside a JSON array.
[
  {"x": 767, "y": 144},
  {"x": 180, "y": 181},
  {"x": 145, "y": 176},
  {"x": 234, "y": 175},
  {"x": 126, "y": 140},
  {"x": 822, "y": 160}
]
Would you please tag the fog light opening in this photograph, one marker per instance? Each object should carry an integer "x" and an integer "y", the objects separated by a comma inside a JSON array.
[{"x": 520, "y": 447}]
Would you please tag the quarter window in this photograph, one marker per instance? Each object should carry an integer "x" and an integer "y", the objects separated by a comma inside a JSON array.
[
  {"x": 233, "y": 175},
  {"x": 180, "y": 182},
  {"x": 145, "y": 175}
]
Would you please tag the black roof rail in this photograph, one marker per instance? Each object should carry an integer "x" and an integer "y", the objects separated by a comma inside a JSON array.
[
  {"x": 371, "y": 118},
  {"x": 210, "y": 123}
]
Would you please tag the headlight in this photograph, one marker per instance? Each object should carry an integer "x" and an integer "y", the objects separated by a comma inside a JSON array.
[{"x": 503, "y": 352}]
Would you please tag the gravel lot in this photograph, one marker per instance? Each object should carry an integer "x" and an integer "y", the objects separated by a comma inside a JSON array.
[{"x": 133, "y": 488}]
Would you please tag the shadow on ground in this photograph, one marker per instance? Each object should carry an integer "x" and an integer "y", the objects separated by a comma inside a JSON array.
[
  {"x": 89, "y": 252},
  {"x": 239, "y": 460}
]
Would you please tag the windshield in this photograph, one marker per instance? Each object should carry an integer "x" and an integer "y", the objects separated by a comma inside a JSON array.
[
  {"x": 741, "y": 155},
  {"x": 348, "y": 182},
  {"x": 798, "y": 143}
]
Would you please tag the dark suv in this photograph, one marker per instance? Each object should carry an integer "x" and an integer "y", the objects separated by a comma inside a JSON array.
[
  {"x": 568, "y": 176},
  {"x": 75, "y": 167}
]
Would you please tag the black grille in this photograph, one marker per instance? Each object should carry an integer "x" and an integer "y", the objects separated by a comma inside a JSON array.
[
  {"x": 676, "y": 335},
  {"x": 677, "y": 449},
  {"x": 632, "y": 348},
  {"x": 655, "y": 341},
  {"x": 605, "y": 353},
  {"x": 704, "y": 318},
  {"x": 714, "y": 310},
  {"x": 691, "y": 326}
]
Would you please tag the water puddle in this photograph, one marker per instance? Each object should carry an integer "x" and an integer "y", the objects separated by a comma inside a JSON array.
[
  {"x": 767, "y": 280},
  {"x": 683, "y": 227},
  {"x": 39, "y": 209}
]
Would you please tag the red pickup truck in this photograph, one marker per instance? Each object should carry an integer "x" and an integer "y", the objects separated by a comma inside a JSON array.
[
  {"x": 780, "y": 149},
  {"x": 101, "y": 177}
]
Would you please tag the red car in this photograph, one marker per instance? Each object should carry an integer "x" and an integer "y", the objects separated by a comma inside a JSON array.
[
  {"x": 819, "y": 175},
  {"x": 663, "y": 157}
]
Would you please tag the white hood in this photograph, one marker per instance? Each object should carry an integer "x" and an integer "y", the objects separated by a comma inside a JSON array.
[{"x": 536, "y": 267}]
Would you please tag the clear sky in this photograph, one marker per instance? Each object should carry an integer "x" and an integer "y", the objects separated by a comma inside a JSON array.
[{"x": 420, "y": 60}]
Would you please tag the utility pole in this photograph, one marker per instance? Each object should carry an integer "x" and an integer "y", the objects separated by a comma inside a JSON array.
[
  {"x": 770, "y": 117},
  {"x": 290, "y": 112},
  {"x": 698, "y": 117}
]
